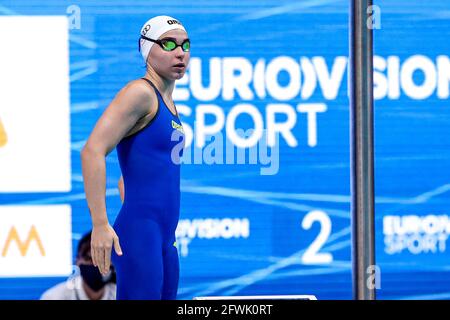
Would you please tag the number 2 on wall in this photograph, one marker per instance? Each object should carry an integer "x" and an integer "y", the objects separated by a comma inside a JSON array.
[{"x": 312, "y": 255}]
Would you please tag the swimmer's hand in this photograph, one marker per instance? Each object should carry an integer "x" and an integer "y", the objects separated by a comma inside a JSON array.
[{"x": 102, "y": 240}]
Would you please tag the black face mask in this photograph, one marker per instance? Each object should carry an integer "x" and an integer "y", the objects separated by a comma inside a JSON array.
[{"x": 92, "y": 276}]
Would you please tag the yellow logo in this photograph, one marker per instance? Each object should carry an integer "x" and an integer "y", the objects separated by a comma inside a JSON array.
[
  {"x": 177, "y": 126},
  {"x": 23, "y": 246},
  {"x": 3, "y": 136}
]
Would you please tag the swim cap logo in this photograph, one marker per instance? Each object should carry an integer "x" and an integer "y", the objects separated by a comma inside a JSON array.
[
  {"x": 146, "y": 29},
  {"x": 173, "y": 22}
]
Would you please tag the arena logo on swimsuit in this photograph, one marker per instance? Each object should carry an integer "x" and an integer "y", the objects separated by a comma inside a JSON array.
[
  {"x": 240, "y": 79},
  {"x": 177, "y": 126}
]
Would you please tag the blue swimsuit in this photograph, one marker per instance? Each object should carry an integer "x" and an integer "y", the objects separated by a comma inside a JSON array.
[{"x": 146, "y": 223}]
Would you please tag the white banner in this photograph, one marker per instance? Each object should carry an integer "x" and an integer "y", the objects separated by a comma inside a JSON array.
[
  {"x": 35, "y": 241},
  {"x": 34, "y": 104}
]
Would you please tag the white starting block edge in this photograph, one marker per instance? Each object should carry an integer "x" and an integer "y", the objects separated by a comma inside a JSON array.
[{"x": 275, "y": 297}]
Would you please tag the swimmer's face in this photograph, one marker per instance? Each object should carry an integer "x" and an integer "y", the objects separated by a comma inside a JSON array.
[{"x": 170, "y": 64}]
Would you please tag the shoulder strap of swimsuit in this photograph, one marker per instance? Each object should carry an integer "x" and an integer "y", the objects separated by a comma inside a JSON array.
[{"x": 154, "y": 87}]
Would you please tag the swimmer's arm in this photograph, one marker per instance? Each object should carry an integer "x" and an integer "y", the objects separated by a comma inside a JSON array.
[
  {"x": 131, "y": 103},
  {"x": 121, "y": 188}
]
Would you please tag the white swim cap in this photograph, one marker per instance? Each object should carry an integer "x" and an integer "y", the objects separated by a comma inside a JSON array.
[{"x": 153, "y": 29}]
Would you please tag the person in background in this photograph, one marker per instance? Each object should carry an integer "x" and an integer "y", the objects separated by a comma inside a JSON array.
[{"x": 89, "y": 283}]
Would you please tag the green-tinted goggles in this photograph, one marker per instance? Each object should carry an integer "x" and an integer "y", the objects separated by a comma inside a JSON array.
[{"x": 170, "y": 44}]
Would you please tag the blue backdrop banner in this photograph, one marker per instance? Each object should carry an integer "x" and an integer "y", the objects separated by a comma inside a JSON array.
[{"x": 265, "y": 203}]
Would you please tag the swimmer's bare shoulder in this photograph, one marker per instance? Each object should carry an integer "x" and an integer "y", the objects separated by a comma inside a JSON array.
[
  {"x": 132, "y": 104},
  {"x": 150, "y": 103}
]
